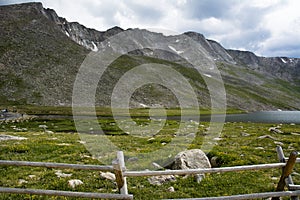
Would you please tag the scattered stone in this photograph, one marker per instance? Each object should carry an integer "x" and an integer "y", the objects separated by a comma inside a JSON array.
[
  {"x": 157, "y": 166},
  {"x": 267, "y": 136},
  {"x": 260, "y": 148},
  {"x": 245, "y": 134},
  {"x": 218, "y": 139},
  {"x": 108, "y": 176},
  {"x": 295, "y": 173},
  {"x": 275, "y": 129},
  {"x": 74, "y": 182},
  {"x": 292, "y": 124},
  {"x": 59, "y": 174},
  {"x": 31, "y": 176},
  {"x": 214, "y": 161},
  {"x": 43, "y": 126},
  {"x": 207, "y": 129},
  {"x": 278, "y": 143},
  {"x": 159, "y": 180},
  {"x": 10, "y": 137},
  {"x": 199, "y": 177},
  {"x": 171, "y": 189},
  {"x": 295, "y": 134},
  {"x": 64, "y": 144},
  {"x": 191, "y": 135},
  {"x": 133, "y": 159},
  {"x": 151, "y": 139},
  {"x": 22, "y": 181},
  {"x": 49, "y": 132},
  {"x": 163, "y": 143}
]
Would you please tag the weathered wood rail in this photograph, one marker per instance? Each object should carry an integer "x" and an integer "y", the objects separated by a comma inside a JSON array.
[{"x": 119, "y": 168}]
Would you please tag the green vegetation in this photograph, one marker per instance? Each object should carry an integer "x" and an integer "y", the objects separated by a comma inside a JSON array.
[
  {"x": 106, "y": 111},
  {"x": 240, "y": 144}
]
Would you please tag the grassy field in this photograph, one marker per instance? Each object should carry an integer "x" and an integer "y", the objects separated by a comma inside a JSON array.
[
  {"x": 106, "y": 111},
  {"x": 240, "y": 144}
]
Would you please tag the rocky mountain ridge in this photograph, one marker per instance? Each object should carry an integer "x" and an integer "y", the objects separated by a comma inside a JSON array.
[
  {"x": 38, "y": 47},
  {"x": 91, "y": 38}
]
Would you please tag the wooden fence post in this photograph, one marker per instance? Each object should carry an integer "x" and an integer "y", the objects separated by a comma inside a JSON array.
[
  {"x": 119, "y": 167},
  {"x": 286, "y": 171}
]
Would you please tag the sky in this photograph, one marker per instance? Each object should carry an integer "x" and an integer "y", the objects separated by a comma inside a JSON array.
[{"x": 265, "y": 27}]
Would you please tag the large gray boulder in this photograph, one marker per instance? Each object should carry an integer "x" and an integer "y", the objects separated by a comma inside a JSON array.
[{"x": 192, "y": 159}]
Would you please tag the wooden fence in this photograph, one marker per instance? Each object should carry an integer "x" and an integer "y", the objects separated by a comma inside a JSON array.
[{"x": 119, "y": 168}]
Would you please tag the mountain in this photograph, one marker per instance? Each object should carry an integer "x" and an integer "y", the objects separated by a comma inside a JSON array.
[{"x": 41, "y": 53}]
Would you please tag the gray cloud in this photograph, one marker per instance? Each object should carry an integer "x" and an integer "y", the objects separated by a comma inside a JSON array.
[{"x": 207, "y": 8}]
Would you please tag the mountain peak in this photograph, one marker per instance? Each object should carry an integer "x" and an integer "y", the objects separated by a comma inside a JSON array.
[{"x": 41, "y": 52}]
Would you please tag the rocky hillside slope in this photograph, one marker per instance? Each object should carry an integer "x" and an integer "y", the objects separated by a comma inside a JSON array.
[{"x": 40, "y": 55}]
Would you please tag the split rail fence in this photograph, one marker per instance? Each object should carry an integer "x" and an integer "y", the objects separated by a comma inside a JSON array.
[{"x": 119, "y": 169}]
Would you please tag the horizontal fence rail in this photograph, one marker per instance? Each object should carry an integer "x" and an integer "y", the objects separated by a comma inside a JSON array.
[
  {"x": 119, "y": 169},
  {"x": 57, "y": 165},
  {"x": 65, "y": 193},
  {"x": 250, "y": 196},
  {"x": 204, "y": 171}
]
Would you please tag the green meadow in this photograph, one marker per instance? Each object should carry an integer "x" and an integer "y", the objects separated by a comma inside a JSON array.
[{"x": 238, "y": 144}]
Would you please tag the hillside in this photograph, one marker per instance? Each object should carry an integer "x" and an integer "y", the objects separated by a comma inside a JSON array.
[{"x": 40, "y": 55}]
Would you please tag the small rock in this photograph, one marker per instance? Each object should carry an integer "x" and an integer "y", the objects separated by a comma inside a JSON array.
[
  {"x": 267, "y": 136},
  {"x": 22, "y": 181},
  {"x": 191, "y": 135},
  {"x": 213, "y": 161},
  {"x": 278, "y": 143},
  {"x": 43, "y": 126},
  {"x": 171, "y": 189},
  {"x": 207, "y": 129},
  {"x": 133, "y": 159},
  {"x": 159, "y": 180},
  {"x": 31, "y": 176},
  {"x": 157, "y": 166},
  {"x": 218, "y": 139},
  {"x": 64, "y": 144},
  {"x": 108, "y": 176},
  {"x": 163, "y": 143},
  {"x": 49, "y": 132},
  {"x": 74, "y": 182},
  {"x": 151, "y": 139},
  {"x": 199, "y": 177},
  {"x": 275, "y": 130},
  {"x": 295, "y": 134},
  {"x": 260, "y": 148},
  {"x": 59, "y": 174},
  {"x": 245, "y": 134}
]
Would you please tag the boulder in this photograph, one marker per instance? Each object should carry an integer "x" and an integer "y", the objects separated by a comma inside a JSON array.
[{"x": 191, "y": 159}]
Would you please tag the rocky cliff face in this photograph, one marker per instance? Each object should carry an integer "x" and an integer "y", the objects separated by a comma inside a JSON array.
[
  {"x": 40, "y": 54},
  {"x": 89, "y": 38}
]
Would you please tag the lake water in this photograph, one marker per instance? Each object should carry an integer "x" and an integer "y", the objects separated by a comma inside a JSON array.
[{"x": 262, "y": 117}]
